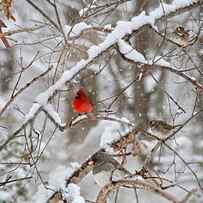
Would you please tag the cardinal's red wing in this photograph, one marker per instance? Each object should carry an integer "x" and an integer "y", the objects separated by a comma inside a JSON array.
[
  {"x": 82, "y": 103},
  {"x": 82, "y": 106}
]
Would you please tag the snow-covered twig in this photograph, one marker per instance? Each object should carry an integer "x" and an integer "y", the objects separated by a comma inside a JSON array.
[
  {"x": 123, "y": 28},
  {"x": 82, "y": 118},
  {"x": 20, "y": 91},
  {"x": 132, "y": 55},
  {"x": 54, "y": 116},
  {"x": 72, "y": 194},
  {"x": 88, "y": 165}
]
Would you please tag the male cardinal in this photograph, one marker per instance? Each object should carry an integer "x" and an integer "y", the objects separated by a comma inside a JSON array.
[{"x": 81, "y": 103}]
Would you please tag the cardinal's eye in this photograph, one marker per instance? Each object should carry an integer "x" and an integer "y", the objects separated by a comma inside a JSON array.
[
  {"x": 180, "y": 29},
  {"x": 77, "y": 96},
  {"x": 152, "y": 123}
]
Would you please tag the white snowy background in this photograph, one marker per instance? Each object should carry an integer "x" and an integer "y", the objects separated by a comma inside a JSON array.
[{"x": 44, "y": 107}]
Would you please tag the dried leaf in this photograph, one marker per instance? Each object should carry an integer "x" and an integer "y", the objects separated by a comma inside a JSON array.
[{"x": 6, "y": 6}]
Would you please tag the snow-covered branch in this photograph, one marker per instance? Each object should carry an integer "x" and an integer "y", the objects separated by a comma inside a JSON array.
[
  {"x": 132, "y": 55},
  {"x": 118, "y": 144},
  {"x": 122, "y": 29}
]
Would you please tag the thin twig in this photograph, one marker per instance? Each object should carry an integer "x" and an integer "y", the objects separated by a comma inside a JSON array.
[
  {"x": 23, "y": 88},
  {"x": 139, "y": 184},
  {"x": 31, "y": 29},
  {"x": 58, "y": 18},
  {"x": 14, "y": 180},
  {"x": 43, "y": 14}
]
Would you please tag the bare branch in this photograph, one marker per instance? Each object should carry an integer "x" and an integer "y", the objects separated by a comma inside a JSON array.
[
  {"x": 12, "y": 99},
  {"x": 44, "y": 14},
  {"x": 138, "y": 184}
]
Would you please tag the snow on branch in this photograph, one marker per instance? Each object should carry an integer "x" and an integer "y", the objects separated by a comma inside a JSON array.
[
  {"x": 122, "y": 29},
  {"x": 132, "y": 55},
  {"x": 139, "y": 183},
  {"x": 76, "y": 30},
  {"x": 81, "y": 118},
  {"x": 72, "y": 194},
  {"x": 176, "y": 7},
  {"x": 57, "y": 182},
  {"x": 54, "y": 116},
  {"x": 88, "y": 165}
]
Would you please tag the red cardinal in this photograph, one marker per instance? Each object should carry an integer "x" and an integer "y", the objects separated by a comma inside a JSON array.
[{"x": 81, "y": 103}]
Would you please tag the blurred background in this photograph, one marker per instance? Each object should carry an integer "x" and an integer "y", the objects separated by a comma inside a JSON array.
[{"x": 110, "y": 82}]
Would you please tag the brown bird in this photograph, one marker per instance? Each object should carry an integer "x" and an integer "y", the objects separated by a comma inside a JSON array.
[
  {"x": 179, "y": 36},
  {"x": 160, "y": 128},
  {"x": 180, "y": 31},
  {"x": 107, "y": 168}
]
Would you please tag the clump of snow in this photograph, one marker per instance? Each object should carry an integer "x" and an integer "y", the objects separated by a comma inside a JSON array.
[
  {"x": 123, "y": 28},
  {"x": 108, "y": 26},
  {"x": 182, "y": 3},
  {"x": 78, "y": 119},
  {"x": 165, "y": 9},
  {"x": 87, "y": 8},
  {"x": 78, "y": 199},
  {"x": 125, "y": 120},
  {"x": 111, "y": 133},
  {"x": 159, "y": 11},
  {"x": 72, "y": 194},
  {"x": 71, "y": 191},
  {"x": 57, "y": 181},
  {"x": 94, "y": 51},
  {"x": 142, "y": 19},
  {"x": 130, "y": 53},
  {"x": 76, "y": 29},
  {"x": 54, "y": 115},
  {"x": 57, "y": 178}
]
